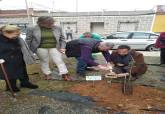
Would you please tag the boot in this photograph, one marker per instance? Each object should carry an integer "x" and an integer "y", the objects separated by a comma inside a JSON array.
[
  {"x": 25, "y": 83},
  {"x": 28, "y": 85},
  {"x": 13, "y": 86},
  {"x": 134, "y": 77}
]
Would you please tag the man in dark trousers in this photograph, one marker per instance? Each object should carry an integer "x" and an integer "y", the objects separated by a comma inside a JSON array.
[
  {"x": 69, "y": 33},
  {"x": 82, "y": 50}
]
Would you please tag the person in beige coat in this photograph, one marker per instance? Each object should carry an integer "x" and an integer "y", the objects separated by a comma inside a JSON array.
[{"x": 47, "y": 41}]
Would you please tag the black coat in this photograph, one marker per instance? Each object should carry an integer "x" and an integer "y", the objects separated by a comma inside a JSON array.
[{"x": 10, "y": 51}]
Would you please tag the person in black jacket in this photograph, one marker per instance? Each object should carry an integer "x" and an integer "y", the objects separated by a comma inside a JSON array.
[{"x": 10, "y": 51}]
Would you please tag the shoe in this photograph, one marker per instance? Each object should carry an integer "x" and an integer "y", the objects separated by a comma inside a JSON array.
[
  {"x": 134, "y": 78},
  {"x": 48, "y": 77},
  {"x": 13, "y": 86},
  {"x": 15, "y": 89},
  {"x": 29, "y": 85},
  {"x": 66, "y": 77},
  {"x": 162, "y": 78},
  {"x": 162, "y": 65},
  {"x": 89, "y": 69}
]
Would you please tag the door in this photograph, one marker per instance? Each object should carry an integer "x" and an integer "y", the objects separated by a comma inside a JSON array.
[{"x": 97, "y": 27}]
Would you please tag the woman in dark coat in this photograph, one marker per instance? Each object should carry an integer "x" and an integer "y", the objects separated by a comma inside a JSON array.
[
  {"x": 10, "y": 51},
  {"x": 160, "y": 43}
]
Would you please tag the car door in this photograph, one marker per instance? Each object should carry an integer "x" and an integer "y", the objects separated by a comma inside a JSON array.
[
  {"x": 118, "y": 38},
  {"x": 139, "y": 40}
]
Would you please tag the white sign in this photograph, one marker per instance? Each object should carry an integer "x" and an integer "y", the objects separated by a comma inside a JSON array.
[{"x": 92, "y": 78}]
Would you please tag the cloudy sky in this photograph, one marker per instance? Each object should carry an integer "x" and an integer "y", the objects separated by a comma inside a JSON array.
[{"x": 83, "y": 5}]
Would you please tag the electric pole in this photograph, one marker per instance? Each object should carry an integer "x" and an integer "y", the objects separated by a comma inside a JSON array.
[{"x": 27, "y": 11}]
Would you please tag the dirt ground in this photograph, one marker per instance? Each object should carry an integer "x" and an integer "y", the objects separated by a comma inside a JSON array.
[
  {"x": 111, "y": 96},
  {"x": 150, "y": 95}
]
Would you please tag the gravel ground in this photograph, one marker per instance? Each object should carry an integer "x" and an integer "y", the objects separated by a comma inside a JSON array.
[{"x": 38, "y": 103}]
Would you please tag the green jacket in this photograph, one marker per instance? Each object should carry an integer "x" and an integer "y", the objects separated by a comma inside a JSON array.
[{"x": 94, "y": 36}]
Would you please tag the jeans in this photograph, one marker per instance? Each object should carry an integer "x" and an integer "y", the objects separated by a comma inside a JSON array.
[
  {"x": 81, "y": 65},
  {"x": 69, "y": 35}
]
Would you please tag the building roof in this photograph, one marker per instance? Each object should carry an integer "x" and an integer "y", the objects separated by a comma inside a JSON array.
[
  {"x": 23, "y": 13},
  {"x": 13, "y": 13},
  {"x": 105, "y": 13}
]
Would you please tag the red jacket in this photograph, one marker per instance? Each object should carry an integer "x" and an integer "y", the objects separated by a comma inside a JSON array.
[{"x": 160, "y": 42}]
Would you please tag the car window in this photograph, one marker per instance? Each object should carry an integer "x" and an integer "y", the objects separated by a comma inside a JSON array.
[
  {"x": 153, "y": 36},
  {"x": 118, "y": 36},
  {"x": 140, "y": 35}
]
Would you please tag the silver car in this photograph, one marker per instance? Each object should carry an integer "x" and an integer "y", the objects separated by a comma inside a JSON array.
[{"x": 136, "y": 40}]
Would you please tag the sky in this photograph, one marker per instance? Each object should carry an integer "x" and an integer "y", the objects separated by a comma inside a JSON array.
[{"x": 82, "y": 5}]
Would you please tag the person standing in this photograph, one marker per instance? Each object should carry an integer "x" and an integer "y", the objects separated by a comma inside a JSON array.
[
  {"x": 13, "y": 51},
  {"x": 69, "y": 32},
  {"x": 47, "y": 40},
  {"x": 160, "y": 43}
]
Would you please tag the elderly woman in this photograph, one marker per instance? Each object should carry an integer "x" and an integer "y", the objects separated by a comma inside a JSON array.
[
  {"x": 11, "y": 52},
  {"x": 47, "y": 41}
]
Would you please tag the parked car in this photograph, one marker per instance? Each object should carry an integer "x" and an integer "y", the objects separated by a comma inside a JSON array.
[{"x": 136, "y": 40}]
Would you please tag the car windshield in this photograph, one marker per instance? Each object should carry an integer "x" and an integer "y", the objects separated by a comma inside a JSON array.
[
  {"x": 140, "y": 35},
  {"x": 119, "y": 36}
]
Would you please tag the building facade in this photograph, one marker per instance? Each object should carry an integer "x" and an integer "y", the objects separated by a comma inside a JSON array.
[{"x": 100, "y": 22}]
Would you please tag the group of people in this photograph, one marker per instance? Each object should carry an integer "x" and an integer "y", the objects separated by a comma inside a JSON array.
[{"x": 48, "y": 42}]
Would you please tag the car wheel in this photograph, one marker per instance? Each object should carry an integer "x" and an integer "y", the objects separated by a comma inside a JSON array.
[{"x": 152, "y": 48}]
